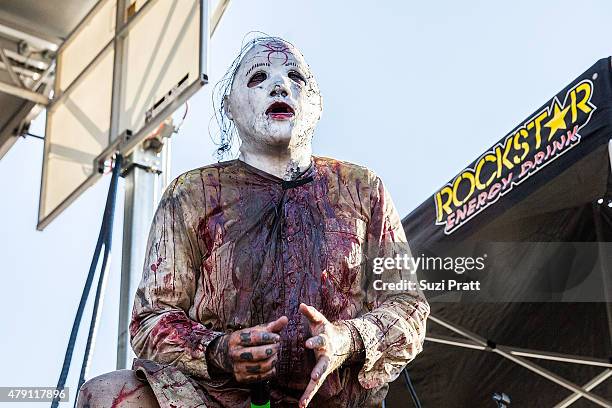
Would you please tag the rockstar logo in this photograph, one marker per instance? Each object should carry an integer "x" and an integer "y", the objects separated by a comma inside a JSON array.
[{"x": 557, "y": 121}]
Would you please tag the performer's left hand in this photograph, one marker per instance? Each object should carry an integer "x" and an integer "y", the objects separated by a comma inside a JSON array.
[{"x": 331, "y": 344}]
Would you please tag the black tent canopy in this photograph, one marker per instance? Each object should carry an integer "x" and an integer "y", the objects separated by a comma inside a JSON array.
[{"x": 539, "y": 203}]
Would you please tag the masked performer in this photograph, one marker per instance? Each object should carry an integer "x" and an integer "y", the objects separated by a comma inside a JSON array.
[{"x": 257, "y": 269}]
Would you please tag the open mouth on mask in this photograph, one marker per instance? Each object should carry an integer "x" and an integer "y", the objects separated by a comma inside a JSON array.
[{"x": 280, "y": 111}]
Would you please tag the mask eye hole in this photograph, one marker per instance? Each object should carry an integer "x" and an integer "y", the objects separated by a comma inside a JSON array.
[
  {"x": 257, "y": 79},
  {"x": 296, "y": 77}
]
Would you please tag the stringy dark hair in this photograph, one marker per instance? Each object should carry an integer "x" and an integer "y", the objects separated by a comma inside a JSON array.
[{"x": 227, "y": 134}]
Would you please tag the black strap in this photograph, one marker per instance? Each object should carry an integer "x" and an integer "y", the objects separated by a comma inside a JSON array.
[{"x": 295, "y": 183}]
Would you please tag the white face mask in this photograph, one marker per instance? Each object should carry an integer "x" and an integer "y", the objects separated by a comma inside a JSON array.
[{"x": 274, "y": 99}]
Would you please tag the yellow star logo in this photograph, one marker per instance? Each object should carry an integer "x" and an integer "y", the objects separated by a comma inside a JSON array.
[{"x": 557, "y": 121}]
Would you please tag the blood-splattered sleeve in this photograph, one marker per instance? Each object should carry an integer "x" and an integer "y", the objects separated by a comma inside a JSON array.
[
  {"x": 393, "y": 329},
  {"x": 161, "y": 329}
]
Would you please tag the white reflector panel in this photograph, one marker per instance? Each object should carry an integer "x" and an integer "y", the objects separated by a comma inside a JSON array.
[
  {"x": 161, "y": 51},
  {"x": 96, "y": 31},
  {"x": 77, "y": 132},
  {"x": 161, "y": 61}
]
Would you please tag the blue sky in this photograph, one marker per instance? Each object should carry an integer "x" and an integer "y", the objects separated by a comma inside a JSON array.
[{"x": 413, "y": 90}]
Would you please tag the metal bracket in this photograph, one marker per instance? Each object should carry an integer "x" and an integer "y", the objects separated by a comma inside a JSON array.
[
  {"x": 165, "y": 100},
  {"x": 145, "y": 157},
  {"x": 148, "y": 168},
  {"x": 140, "y": 157},
  {"x": 147, "y": 160}
]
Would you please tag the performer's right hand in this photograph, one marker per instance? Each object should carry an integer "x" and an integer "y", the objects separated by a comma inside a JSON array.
[{"x": 248, "y": 354}]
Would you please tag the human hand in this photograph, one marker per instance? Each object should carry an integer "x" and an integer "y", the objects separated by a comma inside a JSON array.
[
  {"x": 331, "y": 344},
  {"x": 248, "y": 354}
]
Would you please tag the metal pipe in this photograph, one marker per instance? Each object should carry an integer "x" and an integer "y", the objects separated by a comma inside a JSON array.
[
  {"x": 117, "y": 71},
  {"x": 588, "y": 386},
  {"x": 217, "y": 15},
  {"x": 515, "y": 351},
  {"x": 554, "y": 378},
  {"x": 465, "y": 333},
  {"x": 204, "y": 38},
  {"x": 142, "y": 193},
  {"x": 454, "y": 342},
  {"x": 9, "y": 69},
  {"x": 505, "y": 352},
  {"x": 24, "y": 93},
  {"x": 22, "y": 71},
  {"x": 29, "y": 38},
  {"x": 33, "y": 62},
  {"x": 559, "y": 357}
]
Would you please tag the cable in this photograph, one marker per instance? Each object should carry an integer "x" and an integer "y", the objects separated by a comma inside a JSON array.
[
  {"x": 103, "y": 239},
  {"x": 176, "y": 129},
  {"x": 99, "y": 299},
  {"x": 413, "y": 394},
  {"x": 24, "y": 134},
  {"x": 95, "y": 316}
]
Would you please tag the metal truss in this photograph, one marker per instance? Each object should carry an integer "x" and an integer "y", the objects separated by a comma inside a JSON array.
[
  {"x": 516, "y": 355},
  {"x": 31, "y": 69}
]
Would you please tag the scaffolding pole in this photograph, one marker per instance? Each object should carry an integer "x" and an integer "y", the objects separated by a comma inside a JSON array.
[{"x": 145, "y": 180}]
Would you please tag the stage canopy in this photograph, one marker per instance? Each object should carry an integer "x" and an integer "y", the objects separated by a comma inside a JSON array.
[{"x": 535, "y": 211}]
